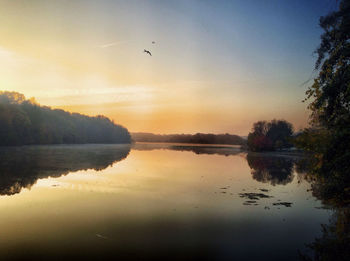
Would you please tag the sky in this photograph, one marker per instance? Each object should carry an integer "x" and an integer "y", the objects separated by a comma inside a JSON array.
[{"x": 216, "y": 66}]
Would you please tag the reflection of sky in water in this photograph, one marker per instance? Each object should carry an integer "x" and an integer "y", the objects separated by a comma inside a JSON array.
[{"x": 166, "y": 200}]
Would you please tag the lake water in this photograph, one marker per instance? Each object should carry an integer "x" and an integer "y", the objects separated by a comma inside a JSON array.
[{"x": 154, "y": 201}]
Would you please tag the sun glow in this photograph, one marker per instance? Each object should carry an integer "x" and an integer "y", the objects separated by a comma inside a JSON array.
[{"x": 93, "y": 62}]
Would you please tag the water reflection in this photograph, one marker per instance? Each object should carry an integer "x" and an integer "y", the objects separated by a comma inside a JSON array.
[
  {"x": 197, "y": 149},
  {"x": 334, "y": 242},
  {"x": 164, "y": 202},
  {"x": 21, "y": 167},
  {"x": 275, "y": 170}
]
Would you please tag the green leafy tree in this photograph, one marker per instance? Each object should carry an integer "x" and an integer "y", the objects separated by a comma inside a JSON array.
[
  {"x": 331, "y": 89},
  {"x": 328, "y": 140},
  {"x": 329, "y": 96}
]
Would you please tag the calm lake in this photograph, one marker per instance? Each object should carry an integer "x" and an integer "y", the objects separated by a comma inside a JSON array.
[{"x": 154, "y": 201}]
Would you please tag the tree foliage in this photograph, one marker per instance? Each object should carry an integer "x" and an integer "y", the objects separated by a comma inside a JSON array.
[
  {"x": 273, "y": 135},
  {"x": 328, "y": 140},
  {"x": 330, "y": 95},
  {"x": 25, "y": 122},
  {"x": 329, "y": 137},
  {"x": 330, "y": 92}
]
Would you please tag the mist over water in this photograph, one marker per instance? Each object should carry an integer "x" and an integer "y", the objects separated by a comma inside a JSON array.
[{"x": 154, "y": 201}]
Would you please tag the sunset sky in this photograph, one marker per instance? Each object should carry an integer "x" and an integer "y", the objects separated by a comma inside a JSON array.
[{"x": 216, "y": 66}]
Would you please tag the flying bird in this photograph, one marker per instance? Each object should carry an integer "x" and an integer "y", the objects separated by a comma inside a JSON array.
[
  {"x": 153, "y": 42},
  {"x": 146, "y": 51}
]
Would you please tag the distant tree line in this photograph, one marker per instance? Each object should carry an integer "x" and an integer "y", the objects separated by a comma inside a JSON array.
[
  {"x": 25, "y": 122},
  {"x": 199, "y": 138},
  {"x": 269, "y": 136}
]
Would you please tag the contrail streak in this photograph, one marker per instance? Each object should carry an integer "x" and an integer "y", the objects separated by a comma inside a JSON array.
[{"x": 111, "y": 44}]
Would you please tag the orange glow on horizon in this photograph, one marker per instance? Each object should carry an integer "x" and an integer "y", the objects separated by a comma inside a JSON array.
[{"x": 92, "y": 62}]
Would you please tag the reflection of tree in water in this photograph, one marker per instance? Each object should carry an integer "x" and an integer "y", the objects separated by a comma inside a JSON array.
[
  {"x": 226, "y": 151},
  {"x": 335, "y": 240},
  {"x": 334, "y": 243},
  {"x": 201, "y": 149},
  {"x": 21, "y": 167},
  {"x": 333, "y": 191},
  {"x": 276, "y": 170}
]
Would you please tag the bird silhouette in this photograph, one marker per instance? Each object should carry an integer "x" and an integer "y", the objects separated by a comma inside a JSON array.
[
  {"x": 153, "y": 42},
  {"x": 146, "y": 51}
]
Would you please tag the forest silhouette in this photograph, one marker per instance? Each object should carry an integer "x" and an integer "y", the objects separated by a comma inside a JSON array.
[
  {"x": 198, "y": 138},
  {"x": 24, "y": 122}
]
